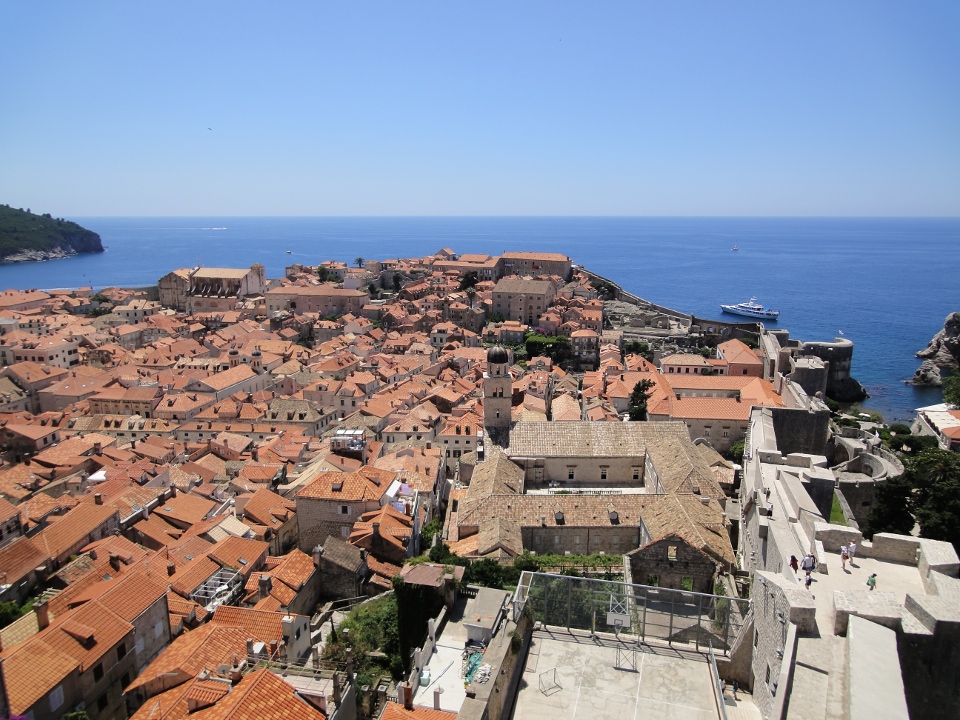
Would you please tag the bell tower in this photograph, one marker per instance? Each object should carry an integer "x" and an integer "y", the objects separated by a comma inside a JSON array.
[{"x": 497, "y": 389}]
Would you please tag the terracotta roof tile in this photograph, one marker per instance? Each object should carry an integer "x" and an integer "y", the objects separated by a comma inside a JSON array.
[
  {"x": 31, "y": 670},
  {"x": 208, "y": 646},
  {"x": 395, "y": 711},
  {"x": 82, "y": 520},
  {"x": 261, "y": 695}
]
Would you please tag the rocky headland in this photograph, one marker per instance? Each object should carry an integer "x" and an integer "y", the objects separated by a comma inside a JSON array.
[
  {"x": 942, "y": 353},
  {"x": 26, "y": 237}
]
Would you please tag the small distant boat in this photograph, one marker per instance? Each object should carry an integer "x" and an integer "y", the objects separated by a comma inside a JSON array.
[
  {"x": 735, "y": 248},
  {"x": 751, "y": 309},
  {"x": 288, "y": 252}
]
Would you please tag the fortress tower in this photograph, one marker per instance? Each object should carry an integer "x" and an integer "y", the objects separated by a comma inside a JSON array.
[{"x": 497, "y": 390}]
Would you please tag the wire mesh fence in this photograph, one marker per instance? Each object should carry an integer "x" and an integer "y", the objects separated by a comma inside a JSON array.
[{"x": 632, "y": 611}]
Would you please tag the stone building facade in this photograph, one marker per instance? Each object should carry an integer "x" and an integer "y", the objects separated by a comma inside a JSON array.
[
  {"x": 521, "y": 299},
  {"x": 534, "y": 263},
  {"x": 334, "y": 501},
  {"x": 671, "y": 562}
]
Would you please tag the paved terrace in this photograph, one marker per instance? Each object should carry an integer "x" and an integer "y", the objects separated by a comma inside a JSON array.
[{"x": 571, "y": 675}]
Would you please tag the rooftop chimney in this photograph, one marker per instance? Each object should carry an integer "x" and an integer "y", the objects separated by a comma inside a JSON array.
[
  {"x": 171, "y": 568},
  {"x": 43, "y": 614},
  {"x": 98, "y": 498},
  {"x": 265, "y": 585},
  {"x": 115, "y": 561}
]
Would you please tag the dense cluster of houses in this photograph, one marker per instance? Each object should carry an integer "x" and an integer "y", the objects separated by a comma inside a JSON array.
[{"x": 188, "y": 472}]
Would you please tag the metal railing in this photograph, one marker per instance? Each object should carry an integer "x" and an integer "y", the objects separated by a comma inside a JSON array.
[
  {"x": 717, "y": 683},
  {"x": 646, "y": 613}
]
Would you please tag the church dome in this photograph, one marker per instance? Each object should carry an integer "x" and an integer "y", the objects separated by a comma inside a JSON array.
[{"x": 497, "y": 355}]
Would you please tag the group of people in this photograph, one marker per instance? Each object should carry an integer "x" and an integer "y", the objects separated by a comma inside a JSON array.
[
  {"x": 847, "y": 553},
  {"x": 807, "y": 565}
]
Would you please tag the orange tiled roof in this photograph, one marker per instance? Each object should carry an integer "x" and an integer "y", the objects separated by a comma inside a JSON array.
[
  {"x": 367, "y": 483},
  {"x": 240, "y": 553},
  {"x": 208, "y": 646},
  {"x": 296, "y": 568},
  {"x": 72, "y": 528},
  {"x": 396, "y": 711},
  {"x": 262, "y": 626},
  {"x": 261, "y": 695},
  {"x": 31, "y": 670}
]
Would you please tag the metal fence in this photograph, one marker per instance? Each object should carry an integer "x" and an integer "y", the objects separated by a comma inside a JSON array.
[
  {"x": 646, "y": 613},
  {"x": 717, "y": 684}
]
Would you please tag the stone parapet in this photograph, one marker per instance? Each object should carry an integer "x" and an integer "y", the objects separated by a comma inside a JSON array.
[{"x": 878, "y": 607}]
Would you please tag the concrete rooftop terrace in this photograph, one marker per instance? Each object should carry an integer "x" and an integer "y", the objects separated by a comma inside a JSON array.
[{"x": 572, "y": 676}]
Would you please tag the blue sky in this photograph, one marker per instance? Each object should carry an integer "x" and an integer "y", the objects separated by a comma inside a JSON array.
[{"x": 495, "y": 108}]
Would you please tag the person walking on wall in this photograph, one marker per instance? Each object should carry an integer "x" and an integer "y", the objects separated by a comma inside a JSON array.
[
  {"x": 851, "y": 551},
  {"x": 843, "y": 557},
  {"x": 808, "y": 581},
  {"x": 872, "y": 582},
  {"x": 794, "y": 564}
]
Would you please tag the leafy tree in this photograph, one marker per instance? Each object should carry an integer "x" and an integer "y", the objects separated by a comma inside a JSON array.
[
  {"x": 935, "y": 475},
  {"x": 951, "y": 389},
  {"x": 928, "y": 493},
  {"x": 891, "y": 508},
  {"x": 495, "y": 318},
  {"x": 736, "y": 451},
  {"x": 440, "y": 553},
  {"x": 397, "y": 281},
  {"x": 9, "y": 611},
  {"x": 556, "y": 348},
  {"x": 428, "y": 531},
  {"x": 359, "y": 262},
  {"x": 372, "y": 627},
  {"x": 469, "y": 279},
  {"x": 914, "y": 444},
  {"x": 73, "y": 715},
  {"x": 636, "y": 347},
  {"x": 638, "y": 400}
]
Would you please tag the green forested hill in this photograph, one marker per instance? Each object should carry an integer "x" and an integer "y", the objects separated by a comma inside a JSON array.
[{"x": 23, "y": 232}]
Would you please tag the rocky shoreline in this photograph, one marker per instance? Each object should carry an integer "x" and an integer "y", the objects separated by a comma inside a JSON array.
[
  {"x": 941, "y": 353},
  {"x": 38, "y": 255}
]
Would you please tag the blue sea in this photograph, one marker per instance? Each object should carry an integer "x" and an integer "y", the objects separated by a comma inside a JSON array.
[{"x": 886, "y": 283}]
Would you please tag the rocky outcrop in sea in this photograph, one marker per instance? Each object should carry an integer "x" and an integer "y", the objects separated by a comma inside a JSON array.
[{"x": 942, "y": 353}]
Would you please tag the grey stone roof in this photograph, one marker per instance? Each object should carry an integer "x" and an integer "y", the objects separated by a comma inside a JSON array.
[
  {"x": 514, "y": 284},
  {"x": 342, "y": 554},
  {"x": 588, "y": 439}
]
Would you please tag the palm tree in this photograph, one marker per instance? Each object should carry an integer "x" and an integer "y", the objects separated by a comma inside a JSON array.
[
  {"x": 471, "y": 294},
  {"x": 359, "y": 261}
]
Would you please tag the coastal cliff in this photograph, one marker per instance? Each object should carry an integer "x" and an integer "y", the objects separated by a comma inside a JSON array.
[
  {"x": 942, "y": 353},
  {"x": 26, "y": 237}
]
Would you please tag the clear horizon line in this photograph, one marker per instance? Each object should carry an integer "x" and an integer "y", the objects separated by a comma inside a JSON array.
[{"x": 593, "y": 216}]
